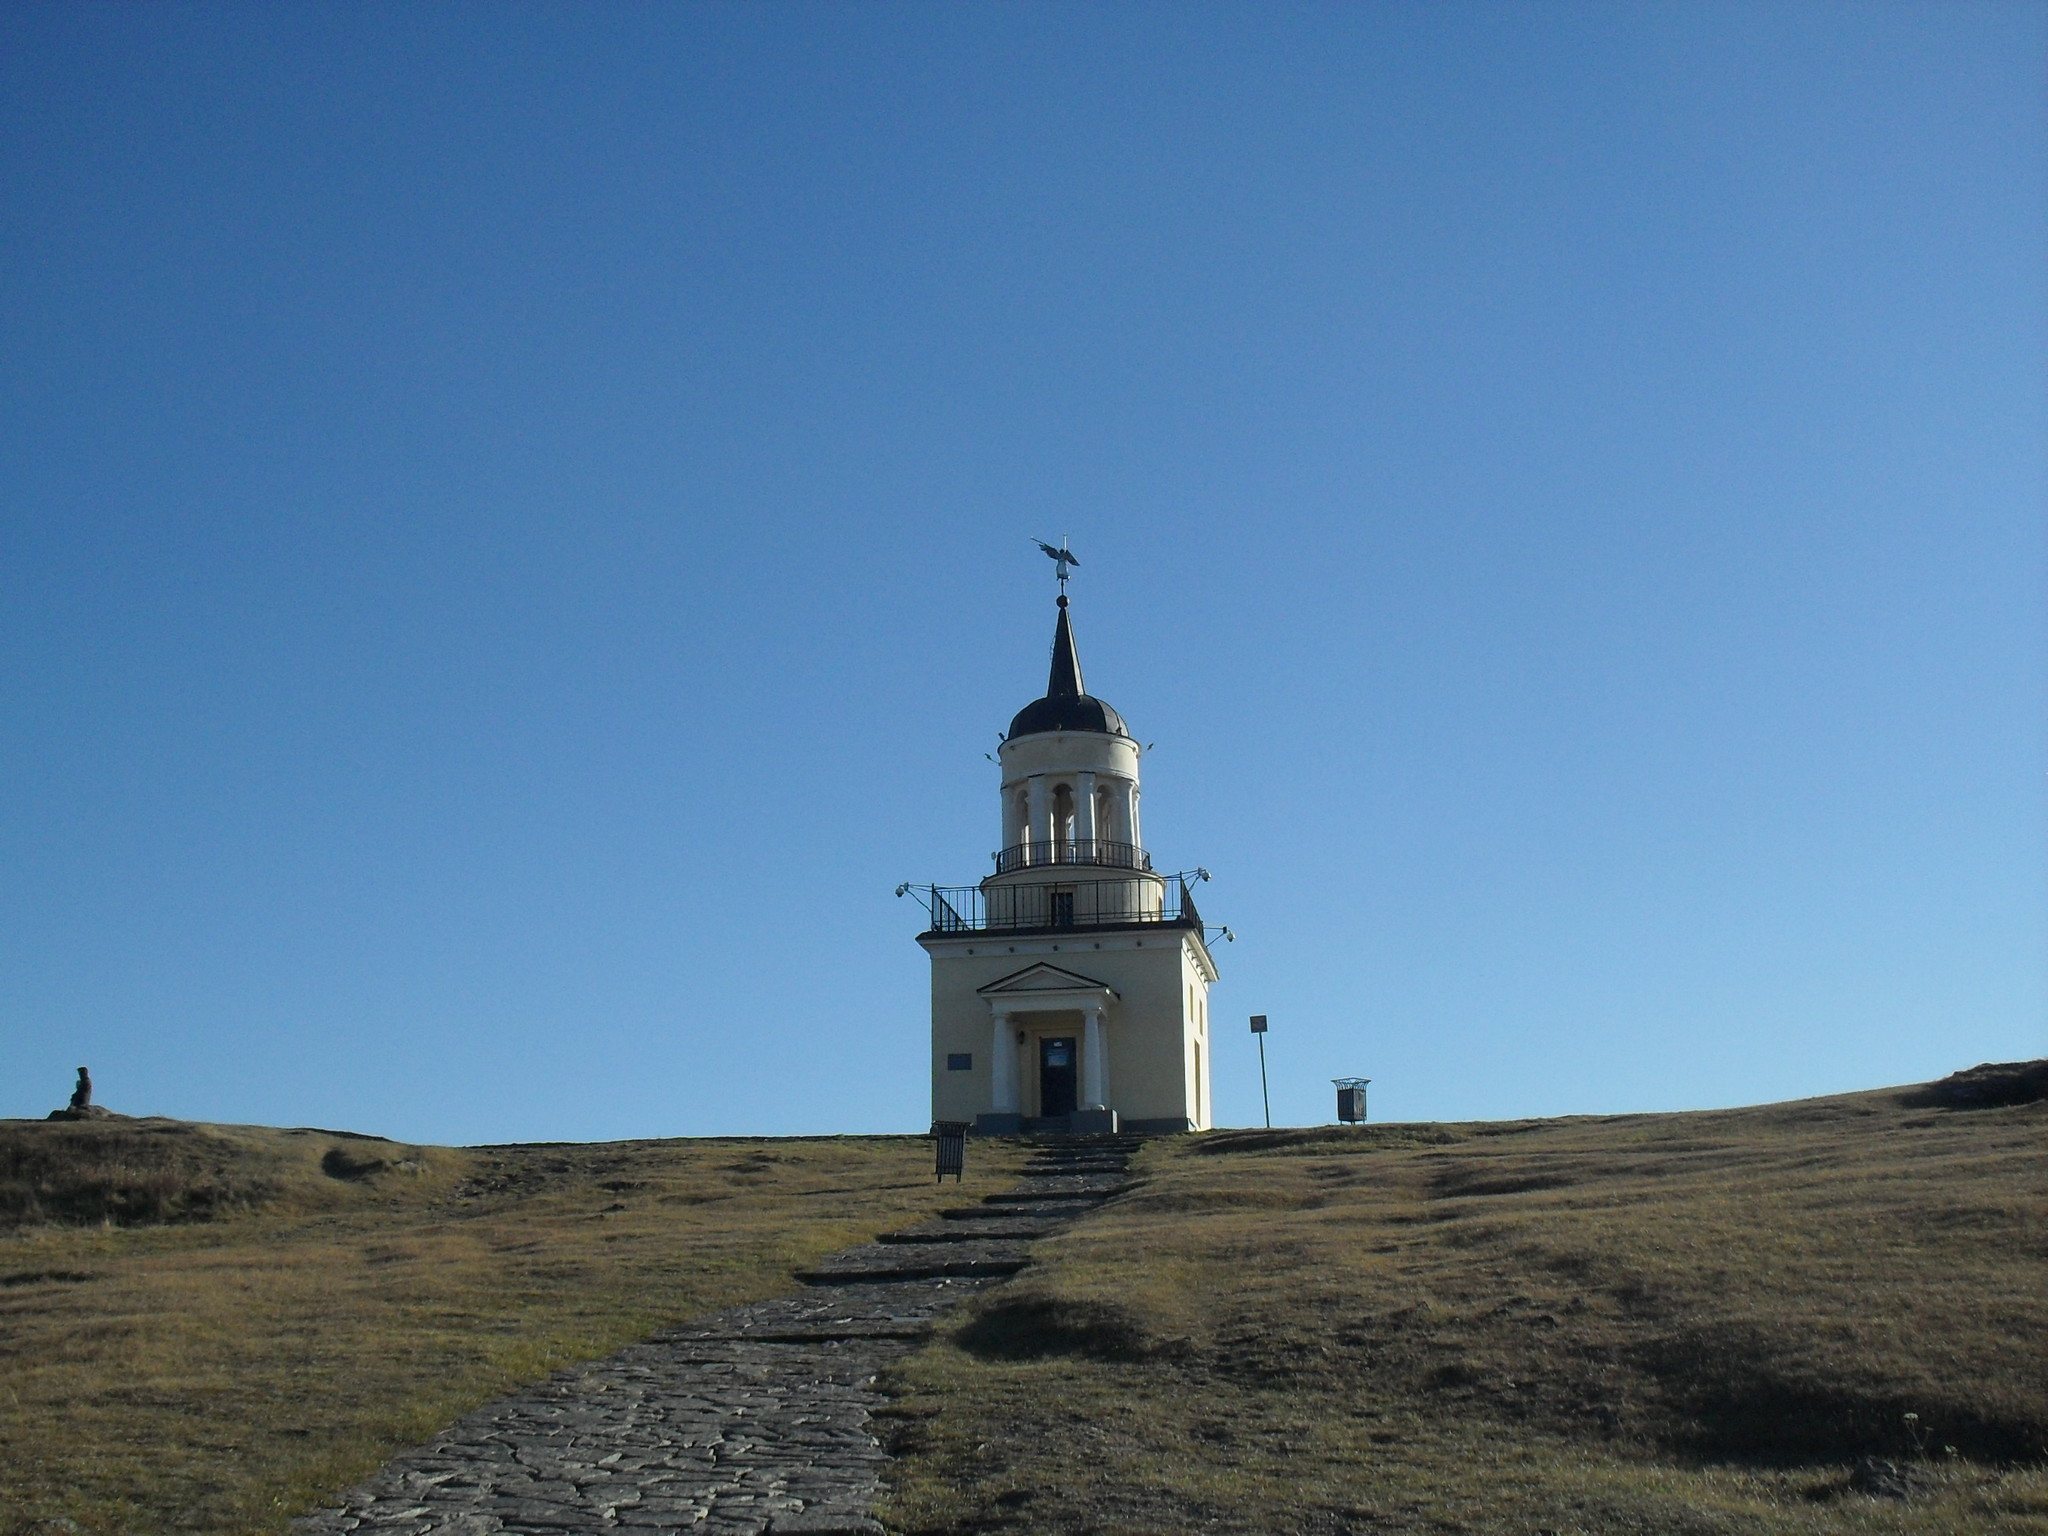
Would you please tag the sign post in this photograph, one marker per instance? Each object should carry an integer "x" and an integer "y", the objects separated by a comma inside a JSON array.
[{"x": 1259, "y": 1029}]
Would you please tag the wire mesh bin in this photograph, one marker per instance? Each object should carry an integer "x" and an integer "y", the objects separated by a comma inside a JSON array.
[{"x": 1351, "y": 1099}]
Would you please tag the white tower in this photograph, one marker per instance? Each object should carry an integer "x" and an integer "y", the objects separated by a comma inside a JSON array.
[{"x": 1070, "y": 989}]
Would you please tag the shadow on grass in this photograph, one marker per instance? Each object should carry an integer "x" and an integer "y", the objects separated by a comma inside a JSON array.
[
  {"x": 340, "y": 1163},
  {"x": 1043, "y": 1327},
  {"x": 1467, "y": 1182},
  {"x": 1731, "y": 1402}
]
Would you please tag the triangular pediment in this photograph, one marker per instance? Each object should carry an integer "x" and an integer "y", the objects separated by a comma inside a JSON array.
[{"x": 1045, "y": 978}]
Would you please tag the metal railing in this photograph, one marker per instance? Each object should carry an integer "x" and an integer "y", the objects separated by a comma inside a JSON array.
[
  {"x": 1085, "y": 904},
  {"x": 1087, "y": 850}
]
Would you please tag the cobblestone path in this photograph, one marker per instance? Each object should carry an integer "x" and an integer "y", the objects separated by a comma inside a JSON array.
[{"x": 747, "y": 1421}]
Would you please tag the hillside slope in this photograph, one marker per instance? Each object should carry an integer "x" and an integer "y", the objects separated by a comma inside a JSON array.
[
  {"x": 1821, "y": 1316},
  {"x": 208, "y": 1328}
]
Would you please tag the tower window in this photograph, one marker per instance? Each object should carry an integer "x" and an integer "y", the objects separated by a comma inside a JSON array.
[{"x": 960, "y": 1061}]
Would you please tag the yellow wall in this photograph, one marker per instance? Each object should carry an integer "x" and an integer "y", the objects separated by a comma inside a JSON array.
[{"x": 1149, "y": 1031}]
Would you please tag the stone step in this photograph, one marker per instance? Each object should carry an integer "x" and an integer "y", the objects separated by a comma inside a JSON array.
[
  {"x": 855, "y": 1272},
  {"x": 918, "y": 1261},
  {"x": 985, "y": 1231},
  {"x": 817, "y": 1334},
  {"x": 1071, "y": 1170},
  {"x": 891, "y": 1311},
  {"x": 1050, "y": 1210},
  {"x": 1024, "y": 1195}
]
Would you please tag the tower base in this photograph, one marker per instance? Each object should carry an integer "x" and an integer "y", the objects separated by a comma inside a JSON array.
[{"x": 1082, "y": 1122}]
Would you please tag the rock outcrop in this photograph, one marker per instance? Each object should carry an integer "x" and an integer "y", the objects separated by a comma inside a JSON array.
[{"x": 1994, "y": 1085}]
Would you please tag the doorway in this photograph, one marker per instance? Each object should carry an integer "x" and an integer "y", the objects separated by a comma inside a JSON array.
[{"x": 1057, "y": 1058}]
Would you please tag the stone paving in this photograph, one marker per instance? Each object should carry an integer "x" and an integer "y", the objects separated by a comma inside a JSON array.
[{"x": 747, "y": 1421}]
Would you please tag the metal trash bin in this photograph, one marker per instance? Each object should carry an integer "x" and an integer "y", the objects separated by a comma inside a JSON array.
[
  {"x": 951, "y": 1136},
  {"x": 1351, "y": 1099}
]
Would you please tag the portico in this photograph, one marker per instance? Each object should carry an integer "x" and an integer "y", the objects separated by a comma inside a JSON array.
[{"x": 1028, "y": 1009}]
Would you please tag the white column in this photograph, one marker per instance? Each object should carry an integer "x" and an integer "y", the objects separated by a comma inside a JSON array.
[
  {"x": 1094, "y": 1062},
  {"x": 1084, "y": 808},
  {"x": 1013, "y": 818},
  {"x": 1039, "y": 812},
  {"x": 1131, "y": 815},
  {"x": 1002, "y": 1068}
]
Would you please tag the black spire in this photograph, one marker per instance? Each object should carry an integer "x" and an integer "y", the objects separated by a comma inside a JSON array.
[
  {"x": 1065, "y": 682},
  {"x": 1066, "y": 705}
]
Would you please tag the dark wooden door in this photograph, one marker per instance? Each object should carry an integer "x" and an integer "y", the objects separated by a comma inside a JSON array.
[{"x": 1058, "y": 1075}]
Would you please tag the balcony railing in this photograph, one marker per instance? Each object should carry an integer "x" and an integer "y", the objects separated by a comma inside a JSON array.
[
  {"x": 1085, "y": 904},
  {"x": 1073, "y": 851}
]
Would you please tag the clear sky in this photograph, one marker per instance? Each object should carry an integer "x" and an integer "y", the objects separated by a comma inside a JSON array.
[{"x": 514, "y": 540}]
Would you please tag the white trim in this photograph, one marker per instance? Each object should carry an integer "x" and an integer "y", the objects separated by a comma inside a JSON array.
[{"x": 1019, "y": 984}]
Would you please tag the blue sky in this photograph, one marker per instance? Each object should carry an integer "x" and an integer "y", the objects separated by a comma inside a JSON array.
[{"x": 513, "y": 541}]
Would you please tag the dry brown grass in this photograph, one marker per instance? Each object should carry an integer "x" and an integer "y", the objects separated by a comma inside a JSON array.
[
  {"x": 1676, "y": 1323},
  {"x": 307, "y": 1302}
]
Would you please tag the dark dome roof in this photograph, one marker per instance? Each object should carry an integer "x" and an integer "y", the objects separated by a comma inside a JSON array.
[
  {"x": 1067, "y": 705},
  {"x": 1067, "y": 712}
]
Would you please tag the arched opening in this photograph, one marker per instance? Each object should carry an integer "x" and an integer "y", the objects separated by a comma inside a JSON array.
[{"x": 1062, "y": 815}]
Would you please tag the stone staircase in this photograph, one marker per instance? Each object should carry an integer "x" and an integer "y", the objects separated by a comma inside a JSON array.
[
  {"x": 1065, "y": 1180},
  {"x": 750, "y": 1421}
]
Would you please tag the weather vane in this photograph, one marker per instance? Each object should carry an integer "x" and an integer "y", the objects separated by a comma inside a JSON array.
[{"x": 1064, "y": 557}]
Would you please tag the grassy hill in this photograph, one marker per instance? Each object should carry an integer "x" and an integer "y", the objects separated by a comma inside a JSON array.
[
  {"x": 1648, "y": 1323},
  {"x": 204, "y": 1327},
  {"x": 1829, "y": 1316}
]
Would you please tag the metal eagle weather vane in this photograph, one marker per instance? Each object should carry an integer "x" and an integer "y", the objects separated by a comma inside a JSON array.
[{"x": 1063, "y": 556}]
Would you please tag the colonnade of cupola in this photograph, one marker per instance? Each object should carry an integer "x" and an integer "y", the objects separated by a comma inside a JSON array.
[{"x": 1081, "y": 812}]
